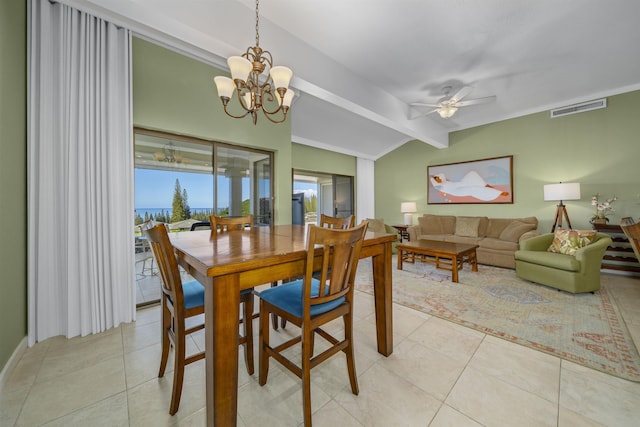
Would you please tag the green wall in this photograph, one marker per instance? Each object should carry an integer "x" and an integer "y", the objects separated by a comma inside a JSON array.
[
  {"x": 13, "y": 176},
  {"x": 313, "y": 159},
  {"x": 599, "y": 149},
  {"x": 176, "y": 94}
]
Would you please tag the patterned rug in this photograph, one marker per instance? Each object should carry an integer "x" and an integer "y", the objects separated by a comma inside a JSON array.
[{"x": 584, "y": 328}]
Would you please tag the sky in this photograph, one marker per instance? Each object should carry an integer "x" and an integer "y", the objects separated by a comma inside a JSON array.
[{"x": 155, "y": 188}]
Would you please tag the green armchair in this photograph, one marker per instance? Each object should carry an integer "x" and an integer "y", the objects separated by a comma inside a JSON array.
[{"x": 572, "y": 273}]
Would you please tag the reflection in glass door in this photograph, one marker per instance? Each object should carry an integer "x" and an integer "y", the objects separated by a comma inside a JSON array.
[{"x": 327, "y": 194}]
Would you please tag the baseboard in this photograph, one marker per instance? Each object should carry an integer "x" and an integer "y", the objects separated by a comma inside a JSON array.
[{"x": 13, "y": 360}]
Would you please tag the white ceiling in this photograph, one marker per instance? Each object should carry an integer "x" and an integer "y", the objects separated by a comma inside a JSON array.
[{"x": 358, "y": 64}]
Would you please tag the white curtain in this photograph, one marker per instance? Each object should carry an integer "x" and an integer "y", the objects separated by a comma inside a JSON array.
[
  {"x": 365, "y": 188},
  {"x": 80, "y": 174}
]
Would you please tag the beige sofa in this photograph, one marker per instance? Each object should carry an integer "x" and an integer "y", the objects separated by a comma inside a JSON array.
[{"x": 498, "y": 238}]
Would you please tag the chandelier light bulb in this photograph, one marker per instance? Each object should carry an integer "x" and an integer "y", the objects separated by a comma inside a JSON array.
[
  {"x": 240, "y": 68},
  {"x": 281, "y": 76},
  {"x": 225, "y": 86}
]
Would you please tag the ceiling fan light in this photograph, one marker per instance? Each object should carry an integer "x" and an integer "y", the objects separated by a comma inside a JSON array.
[
  {"x": 240, "y": 67},
  {"x": 225, "y": 86},
  {"x": 447, "y": 112},
  {"x": 281, "y": 76}
]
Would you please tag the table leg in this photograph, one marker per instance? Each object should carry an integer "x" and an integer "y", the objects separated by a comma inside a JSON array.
[
  {"x": 221, "y": 346},
  {"x": 382, "y": 287},
  {"x": 454, "y": 269},
  {"x": 474, "y": 261},
  {"x": 399, "y": 259}
]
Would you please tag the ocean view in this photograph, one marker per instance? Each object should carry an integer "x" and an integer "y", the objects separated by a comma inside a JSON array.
[{"x": 167, "y": 211}]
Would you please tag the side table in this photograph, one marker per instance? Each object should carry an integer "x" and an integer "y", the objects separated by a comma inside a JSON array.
[
  {"x": 402, "y": 232},
  {"x": 619, "y": 255}
]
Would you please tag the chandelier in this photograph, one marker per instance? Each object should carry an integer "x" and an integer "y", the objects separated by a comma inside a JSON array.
[{"x": 256, "y": 89}]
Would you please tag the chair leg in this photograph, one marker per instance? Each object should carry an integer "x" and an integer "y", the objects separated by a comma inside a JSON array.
[
  {"x": 263, "y": 341},
  {"x": 166, "y": 343},
  {"x": 248, "y": 333},
  {"x": 351, "y": 365},
  {"x": 178, "y": 370},
  {"x": 306, "y": 374},
  {"x": 274, "y": 318}
]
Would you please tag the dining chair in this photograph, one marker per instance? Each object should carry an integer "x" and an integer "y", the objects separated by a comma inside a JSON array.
[
  {"x": 632, "y": 231},
  {"x": 230, "y": 223},
  {"x": 180, "y": 301},
  {"x": 334, "y": 222},
  {"x": 310, "y": 303},
  {"x": 326, "y": 221}
]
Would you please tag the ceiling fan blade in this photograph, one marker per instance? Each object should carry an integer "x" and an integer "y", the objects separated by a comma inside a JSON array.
[
  {"x": 422, "y": 114},
  {"x": 422, "y": 104},
  {"x": 464, "y": 91},
  {"x": 484, "y": 100}
]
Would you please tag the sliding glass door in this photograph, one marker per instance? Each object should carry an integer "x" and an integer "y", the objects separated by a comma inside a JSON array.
[
  {"x": 181, "y": 180},
  {"x": 316, "y": 193}
]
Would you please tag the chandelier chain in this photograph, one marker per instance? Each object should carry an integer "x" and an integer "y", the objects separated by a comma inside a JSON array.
[{"x": 257, "y": 32}]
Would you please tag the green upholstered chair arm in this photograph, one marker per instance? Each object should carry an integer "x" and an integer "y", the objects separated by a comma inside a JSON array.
[
  {"x": 537, "y": 243},
  {"x": 593, "y": 252}
]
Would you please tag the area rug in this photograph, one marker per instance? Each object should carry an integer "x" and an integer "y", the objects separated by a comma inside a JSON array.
[{"x": 585, "y": 328}]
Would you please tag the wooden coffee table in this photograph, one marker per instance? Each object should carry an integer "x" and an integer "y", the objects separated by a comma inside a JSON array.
[{"x": 445, "y": 255}]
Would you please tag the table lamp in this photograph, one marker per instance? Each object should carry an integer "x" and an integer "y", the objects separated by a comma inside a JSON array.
[
  {"x": 560, "y": 192},
  {"x": 408, "y": 209}
]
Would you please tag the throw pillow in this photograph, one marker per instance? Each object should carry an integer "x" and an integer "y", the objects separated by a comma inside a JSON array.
[
  {"x": 467, "y": 226},
  {"x": 514, "y": 230},
  {"x": 569, "y": 241},
  {"x": 376, "y": 225}
]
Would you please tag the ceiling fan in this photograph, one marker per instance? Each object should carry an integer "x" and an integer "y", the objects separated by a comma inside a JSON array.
[{"x": 449, "y": 104}]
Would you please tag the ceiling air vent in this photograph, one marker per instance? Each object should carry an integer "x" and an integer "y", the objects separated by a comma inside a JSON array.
[{"x": 579, "y": 108}]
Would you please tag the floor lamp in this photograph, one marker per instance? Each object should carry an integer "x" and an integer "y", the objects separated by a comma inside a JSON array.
[{"x": 560, "y": 192}]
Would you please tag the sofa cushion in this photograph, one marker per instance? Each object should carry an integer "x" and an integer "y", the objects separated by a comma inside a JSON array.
[
  {"x": 569, "y": 241},
  {"x": 498, "y": 244},
  {"x": 467, "y": 226},
  {"x": 376, "y": 225},
  {"x": 462, "y": 239},
  {"x": 549, "y": 259},
  {"x": 514, "y": 230},
  {"x": 437, "y": 224}
]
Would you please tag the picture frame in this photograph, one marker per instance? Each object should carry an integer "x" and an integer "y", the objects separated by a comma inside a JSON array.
[{"x": 483, "y": 181}]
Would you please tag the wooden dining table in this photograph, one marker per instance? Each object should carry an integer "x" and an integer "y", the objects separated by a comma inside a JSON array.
[{"x": 226, "y": 263}]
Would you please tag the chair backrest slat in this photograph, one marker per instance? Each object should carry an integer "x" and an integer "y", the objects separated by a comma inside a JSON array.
[
  {"x": 339, "y": 223},
  {"x": 340, "y": 255},
  {"x": 227, "y": 223},
  {"x": 165, "y": 256},
  {"x": 632, "y": 232}
]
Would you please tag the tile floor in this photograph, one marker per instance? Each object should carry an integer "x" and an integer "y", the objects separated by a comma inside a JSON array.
[{"x": 440, "y": 374}]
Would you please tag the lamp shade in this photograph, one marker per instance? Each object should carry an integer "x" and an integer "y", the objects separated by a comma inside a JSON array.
[
  {"x": 562, "y": 191},
  {"x": 408, "y": 207}
]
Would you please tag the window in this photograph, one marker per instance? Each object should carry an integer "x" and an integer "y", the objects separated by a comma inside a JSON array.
[
  {"x": 170, "y": 167},
  {"x": 181, "y": 180}
]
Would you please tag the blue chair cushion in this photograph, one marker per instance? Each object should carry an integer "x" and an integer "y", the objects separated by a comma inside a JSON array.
[
  {"x": 288, "y": 297},
  {"x": 193, "y": 294}
]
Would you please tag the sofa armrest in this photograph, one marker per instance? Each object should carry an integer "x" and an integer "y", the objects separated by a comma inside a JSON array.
[
  {"x": 414, "y": 231},
  {"x": 528, "y": 235},
  {"x": 537, "y": 243}
]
